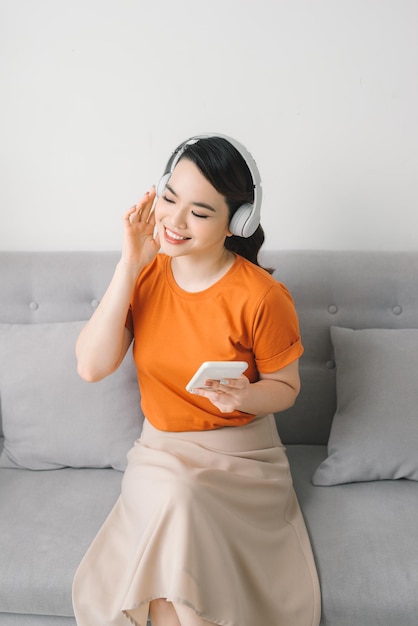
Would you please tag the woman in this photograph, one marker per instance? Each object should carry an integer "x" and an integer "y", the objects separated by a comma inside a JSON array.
[{"x": 207, "y": 529}]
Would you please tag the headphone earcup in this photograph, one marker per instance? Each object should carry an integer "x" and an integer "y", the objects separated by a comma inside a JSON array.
[
  {"x": 244, "y": 222},
  {"x": 162, "y": 184}
]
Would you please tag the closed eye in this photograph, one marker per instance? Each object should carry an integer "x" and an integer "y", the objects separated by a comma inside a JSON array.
[
  {"x": 168, "y": 199},
  {"x": 204, "y": 217}
]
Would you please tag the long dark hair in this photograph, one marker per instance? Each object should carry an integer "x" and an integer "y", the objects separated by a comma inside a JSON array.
[{"x": 225, "y": 168}]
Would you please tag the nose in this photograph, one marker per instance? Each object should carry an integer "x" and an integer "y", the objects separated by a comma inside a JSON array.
[{"x": 178, "y": 218}]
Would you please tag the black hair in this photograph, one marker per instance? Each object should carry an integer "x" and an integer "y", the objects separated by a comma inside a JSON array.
[{"x": 226, "y": 170}]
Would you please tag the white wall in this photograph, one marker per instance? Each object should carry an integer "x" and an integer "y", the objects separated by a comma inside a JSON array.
[{"x": 96, "y": 93}]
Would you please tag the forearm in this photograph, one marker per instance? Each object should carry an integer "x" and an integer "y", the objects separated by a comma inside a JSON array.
[
  {"x": 102, "y": 343},
  {"x": 272, "y": 393},
  {"x": 268, "y": 396}
]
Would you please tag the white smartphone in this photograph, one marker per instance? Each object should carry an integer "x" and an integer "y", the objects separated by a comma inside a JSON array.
[{"x": 216, "y": 370}]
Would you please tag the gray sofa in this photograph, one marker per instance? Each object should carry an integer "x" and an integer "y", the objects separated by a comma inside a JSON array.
[{"x": 65, "y": 440}]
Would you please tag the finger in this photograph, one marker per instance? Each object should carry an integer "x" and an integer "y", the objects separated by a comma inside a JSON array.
[
  {"x": 129, "y": 215},
  {"x": 150, "y": 206},
  {"x": 238, "y": 383},
  {"x": 217, "y": 386},
  {"x": 151, "y": 216},
  {"x": 145, "y": 206},
  {"x": 134, "y": 214},
  {"x": 230, "y": 384}
]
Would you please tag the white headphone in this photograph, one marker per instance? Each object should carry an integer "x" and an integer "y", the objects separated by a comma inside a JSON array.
[{"x": 246, "y": 219}]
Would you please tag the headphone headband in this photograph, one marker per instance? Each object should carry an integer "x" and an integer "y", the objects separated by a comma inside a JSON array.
[{"x": 246, "y": 219}]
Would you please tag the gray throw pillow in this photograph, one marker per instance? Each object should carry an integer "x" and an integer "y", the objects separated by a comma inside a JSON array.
[
  {"x": 374, "y": 434},
  {"x": 51, "y": 417}
]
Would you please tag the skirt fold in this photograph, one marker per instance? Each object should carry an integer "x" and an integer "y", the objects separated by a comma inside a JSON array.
[{"x": 209, "y": 520}]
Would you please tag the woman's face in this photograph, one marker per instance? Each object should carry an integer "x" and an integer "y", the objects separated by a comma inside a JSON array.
[{"x": 191, "y": 216}]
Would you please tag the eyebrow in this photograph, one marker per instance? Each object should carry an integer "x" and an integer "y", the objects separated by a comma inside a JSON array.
[{"x": 203, "y": 205}]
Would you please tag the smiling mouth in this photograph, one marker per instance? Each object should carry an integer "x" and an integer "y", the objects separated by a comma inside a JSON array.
[{"x": 171, "y": 236}]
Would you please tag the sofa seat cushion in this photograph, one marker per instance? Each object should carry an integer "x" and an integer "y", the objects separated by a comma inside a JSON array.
[
  {"x": 18, "y": 619},
  {"x": 47, "y": 521},
  {"x": 363, "y": 540}
]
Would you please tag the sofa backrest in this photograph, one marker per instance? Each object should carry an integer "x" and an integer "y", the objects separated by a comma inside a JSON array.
[
  {"x": 42, "y": 287},
  {"x": 351, "y": 289}
]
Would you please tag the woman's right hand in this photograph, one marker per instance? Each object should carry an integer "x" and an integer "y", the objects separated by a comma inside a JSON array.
[{"x": 139, "y": 245}]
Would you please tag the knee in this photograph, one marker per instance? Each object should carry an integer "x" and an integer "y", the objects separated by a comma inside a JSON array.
[
  {"x": 162, "y": 612},
  {"x": 160, "y": 604}
]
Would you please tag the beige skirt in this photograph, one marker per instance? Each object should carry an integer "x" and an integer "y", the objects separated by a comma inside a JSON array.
[{"x": 209, "y": 520}]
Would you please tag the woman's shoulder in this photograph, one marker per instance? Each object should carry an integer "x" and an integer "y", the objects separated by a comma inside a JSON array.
[
  {"x": 262, "y": 284},
  {"x": 255, "y": 273},
  {"x": 156, "y": 265},
  {"x": 151, "y": 273}
]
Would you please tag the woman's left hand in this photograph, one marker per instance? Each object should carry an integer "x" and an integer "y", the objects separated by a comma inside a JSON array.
[{"x": 228, "y": 394}]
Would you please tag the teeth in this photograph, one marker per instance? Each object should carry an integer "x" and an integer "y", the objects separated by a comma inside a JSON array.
[{"x": 173, "y": 235}]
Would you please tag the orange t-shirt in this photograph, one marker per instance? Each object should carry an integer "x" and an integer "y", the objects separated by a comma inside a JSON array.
[{"x": 246, "y": 316}]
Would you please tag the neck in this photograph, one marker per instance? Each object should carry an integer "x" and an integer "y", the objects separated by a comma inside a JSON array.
[{"x": 196, "y": 274}]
